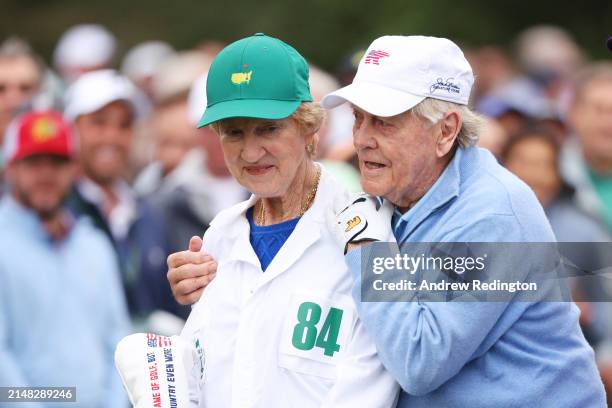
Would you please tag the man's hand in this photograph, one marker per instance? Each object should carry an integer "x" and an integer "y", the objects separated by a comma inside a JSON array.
[
  {"x": 361, "y": 219},
  {"x": 189, "y": 272}
]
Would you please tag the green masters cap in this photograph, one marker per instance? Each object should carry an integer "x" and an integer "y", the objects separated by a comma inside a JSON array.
[{"x": 256, "y": 77}]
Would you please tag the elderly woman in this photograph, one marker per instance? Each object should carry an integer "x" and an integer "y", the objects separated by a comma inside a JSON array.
[{"x": 277, "y": 326}]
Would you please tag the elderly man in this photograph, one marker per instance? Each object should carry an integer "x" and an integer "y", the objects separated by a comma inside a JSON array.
[
  {"x": 415, "y": 140},
  {"x": 414, "y": 137}
]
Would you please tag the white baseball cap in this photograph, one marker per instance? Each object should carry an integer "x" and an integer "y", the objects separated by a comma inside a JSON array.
[
  {"x": 398, "y": 72},
  {"x": 85, "y": 45},
  {"x": 196, "y": 101},
  {"x": 94, "y": 90}
]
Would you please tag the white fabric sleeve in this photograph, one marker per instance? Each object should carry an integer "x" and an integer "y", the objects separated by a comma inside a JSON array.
[{"x": 362, "y": 381}]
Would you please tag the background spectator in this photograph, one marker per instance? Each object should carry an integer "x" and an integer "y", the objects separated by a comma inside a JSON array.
[
  {"x": 61, "y": 306},
  {"x": 20, "y": 78},
  {"x": 103, "y": 110},
  {"x": 587, "y": 161},
  {"x": 84, "y": 48}
]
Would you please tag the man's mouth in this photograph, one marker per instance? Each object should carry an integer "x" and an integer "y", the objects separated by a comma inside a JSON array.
[{"x": 373, "y": 165}]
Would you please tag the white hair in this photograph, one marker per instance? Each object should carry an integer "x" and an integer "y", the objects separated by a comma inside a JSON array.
[{"x": 432, "y": 110}]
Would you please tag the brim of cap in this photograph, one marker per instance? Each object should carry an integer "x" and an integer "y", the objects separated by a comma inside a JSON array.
[
  {"x": 93, "y": 105},
  {"x": 377, "y": 100},
  {"x": 41, "y": 152},
  {"x": 248, "y": 108}
]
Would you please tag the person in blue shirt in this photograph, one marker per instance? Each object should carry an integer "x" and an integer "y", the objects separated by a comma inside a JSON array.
[
  {"x": 415, "y": 139},
  {"x": 62, "y": 310}
]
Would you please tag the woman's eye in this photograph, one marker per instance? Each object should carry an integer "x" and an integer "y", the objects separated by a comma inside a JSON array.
[{"x": 268, "y": 129}]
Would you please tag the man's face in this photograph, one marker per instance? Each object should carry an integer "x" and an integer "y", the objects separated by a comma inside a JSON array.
[
  {"x": 175, "y": 135},
  {"x": 397, "y": 155},
  {"x": 591, "y": 117},
  {"x": 215, "y": 161},
  {"x": 534, "y": 161},
  {"x": 19, "y": 81},
  {"x": 105, "y": 139},
  {"x": 41, "y": 182}
]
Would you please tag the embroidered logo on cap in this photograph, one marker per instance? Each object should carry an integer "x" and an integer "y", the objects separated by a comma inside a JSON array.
[
  {"x": 374, "y": 57},
  {"x": 447, "y": 86},
  {"x": 241, "y": 77},
  {"x": 43, "y": 129}
]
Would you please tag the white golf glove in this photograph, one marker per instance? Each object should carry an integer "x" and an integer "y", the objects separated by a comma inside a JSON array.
[
  {"x": 360, "y": 218},
  {"x": 158, "y": 371}
]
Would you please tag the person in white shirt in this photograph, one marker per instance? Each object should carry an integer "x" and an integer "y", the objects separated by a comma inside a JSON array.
[{"x": 277, "y": 326}]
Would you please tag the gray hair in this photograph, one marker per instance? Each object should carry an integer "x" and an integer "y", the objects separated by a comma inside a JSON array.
[
  {"x": 432, "y": 110},
  {"x": 595, "y": 72},
  {"x": 15, "y": 47}
]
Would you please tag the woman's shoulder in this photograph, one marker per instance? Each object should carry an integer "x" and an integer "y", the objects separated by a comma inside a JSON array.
[
  {"x": 229, "y": 215},
  {"x": 225, "y": 225}
]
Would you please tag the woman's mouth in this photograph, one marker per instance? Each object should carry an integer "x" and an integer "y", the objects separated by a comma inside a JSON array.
[{"x": 257, "y": 170}]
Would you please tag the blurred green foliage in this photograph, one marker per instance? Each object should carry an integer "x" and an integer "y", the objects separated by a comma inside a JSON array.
[{"x": 323, "y": 30}]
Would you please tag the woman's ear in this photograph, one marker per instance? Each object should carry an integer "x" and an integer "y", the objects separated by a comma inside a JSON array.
[
  {"x": 450, "y": 125},
  {"x": 312, "y": 142}
]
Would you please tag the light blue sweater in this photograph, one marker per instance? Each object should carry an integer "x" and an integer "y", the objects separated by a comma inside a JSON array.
[
  {"x": 480, "y": 354},
  {"x": 62, "y": 310}
]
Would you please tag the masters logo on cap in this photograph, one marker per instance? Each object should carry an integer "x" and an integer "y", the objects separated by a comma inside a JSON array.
[
  {"x": 256, "y": 77},
  {"x": 241, "y": 77}
]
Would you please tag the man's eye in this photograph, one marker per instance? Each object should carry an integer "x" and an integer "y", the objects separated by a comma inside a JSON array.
[
  {"x": 98, "y": 121},
  {"x": 382, "y": 123},
  {"x": 25, "y": 88}
]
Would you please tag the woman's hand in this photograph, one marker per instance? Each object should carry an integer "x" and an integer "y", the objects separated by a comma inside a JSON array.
[{"x": 189, "y": 272}]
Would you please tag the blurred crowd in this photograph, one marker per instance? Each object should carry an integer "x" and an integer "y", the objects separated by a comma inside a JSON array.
[{"x": 104, "y": 174}]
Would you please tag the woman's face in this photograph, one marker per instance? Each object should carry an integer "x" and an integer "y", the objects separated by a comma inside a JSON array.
[
  {"x": 265, "y": 155},
  {"x": 534, "y": 161}
]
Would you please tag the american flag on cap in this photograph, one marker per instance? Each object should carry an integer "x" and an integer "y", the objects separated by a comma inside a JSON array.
[{"x": 374, "y": 56}]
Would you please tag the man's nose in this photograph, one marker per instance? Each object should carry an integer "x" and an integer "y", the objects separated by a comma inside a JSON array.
[
  {"x": 15, "y": 97},
  {"x": 114, "y": 133},
  {"x": 363, "y": 137}
]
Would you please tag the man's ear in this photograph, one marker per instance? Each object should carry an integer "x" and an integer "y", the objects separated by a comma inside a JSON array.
[{"x": 450, "y": 125}]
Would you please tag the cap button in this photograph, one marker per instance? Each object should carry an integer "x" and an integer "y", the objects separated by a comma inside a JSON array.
[{"x": 259, "y": 34}]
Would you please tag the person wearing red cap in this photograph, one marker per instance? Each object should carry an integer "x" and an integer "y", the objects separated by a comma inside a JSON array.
[{"x": 62, "y": 309}]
